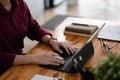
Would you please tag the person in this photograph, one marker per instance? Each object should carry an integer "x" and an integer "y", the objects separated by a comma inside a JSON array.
[{"x": 16, "y": 23}]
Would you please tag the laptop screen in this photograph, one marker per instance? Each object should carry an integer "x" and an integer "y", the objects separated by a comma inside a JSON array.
[
  {"x": 86, "y": 51},
  {"x": 84, "y": 54}
]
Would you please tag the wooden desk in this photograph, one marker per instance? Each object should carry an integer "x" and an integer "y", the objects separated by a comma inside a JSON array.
[{"x": 26, "y": 72}]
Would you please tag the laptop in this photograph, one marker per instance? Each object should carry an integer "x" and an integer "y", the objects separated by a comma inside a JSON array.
[{"x": 81, "y": 56}]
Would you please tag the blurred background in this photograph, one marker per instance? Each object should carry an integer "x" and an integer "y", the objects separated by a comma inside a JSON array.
[
  {"x": 44, "y": 10},
  {"x": 96, "y": 9}
]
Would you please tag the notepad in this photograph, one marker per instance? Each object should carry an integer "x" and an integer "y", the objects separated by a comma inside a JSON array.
[
  {"x": 81, "y": 29},
  {"x": 110, "y": 32},
  {"x": 41, "y": 77}
]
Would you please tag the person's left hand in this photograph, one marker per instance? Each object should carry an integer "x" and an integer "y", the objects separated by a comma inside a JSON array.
[{"x": 66, "y": 45}]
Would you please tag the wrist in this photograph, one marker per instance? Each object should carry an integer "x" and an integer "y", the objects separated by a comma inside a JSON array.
[
  {"x": 23, "y": 59},
  {"x": 51, "y": 39}
]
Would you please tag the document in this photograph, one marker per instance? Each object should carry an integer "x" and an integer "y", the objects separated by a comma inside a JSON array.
[
  {"x": 110, "y": 32},
  {"x": 41, "y": 77}
]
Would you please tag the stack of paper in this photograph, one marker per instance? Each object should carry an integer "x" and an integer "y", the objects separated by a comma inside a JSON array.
[
  {"x": 110, "y": 32},
  {"x": 41, "y": 77}
]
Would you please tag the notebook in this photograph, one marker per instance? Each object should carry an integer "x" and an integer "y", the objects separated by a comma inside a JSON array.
[
  {"x": 81, "y": 29},
  {"x": 110, "y": 32}
]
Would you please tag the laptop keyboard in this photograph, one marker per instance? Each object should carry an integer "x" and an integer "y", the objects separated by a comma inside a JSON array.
[
  {"x": 66, "y": 67},
  {"x": 65, "y": 55}
]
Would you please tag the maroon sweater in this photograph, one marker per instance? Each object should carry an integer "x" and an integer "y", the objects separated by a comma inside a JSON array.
[{"x": 14, "y": 26}]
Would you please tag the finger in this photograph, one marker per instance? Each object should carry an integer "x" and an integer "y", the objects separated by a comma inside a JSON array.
[
  {"x": 66, "y": 48},
  {"x": 57, "y": 61},
  {"x": 58, "y": 49},
  {"x": 71, "y": 49},
  {"x": 59, "y": 58},
  {"x": 54, "y": 54},
  {"x": 72, "y": 43},
  {"x": 55, "y": 57},
  {"x": 53, "y": 63}
]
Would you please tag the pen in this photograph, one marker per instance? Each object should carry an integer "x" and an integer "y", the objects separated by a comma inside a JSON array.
[{"x": 81, "y": 24}]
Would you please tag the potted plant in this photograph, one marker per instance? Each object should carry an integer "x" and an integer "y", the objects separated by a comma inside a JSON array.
[{"x": 108, "y": 68}]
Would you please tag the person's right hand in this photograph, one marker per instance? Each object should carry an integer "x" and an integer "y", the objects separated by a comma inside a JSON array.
[{"x": 48, "y": 58}]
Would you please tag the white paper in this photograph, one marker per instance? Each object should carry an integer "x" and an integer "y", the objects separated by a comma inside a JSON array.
[
  {"x": 41, "y": 77},
  {"x": 110, "y": 32}
]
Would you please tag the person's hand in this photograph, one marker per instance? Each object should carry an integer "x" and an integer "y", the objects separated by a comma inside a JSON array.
[
  {"x": 66, "y": 45},
  {"x": 48, "y": 58}
]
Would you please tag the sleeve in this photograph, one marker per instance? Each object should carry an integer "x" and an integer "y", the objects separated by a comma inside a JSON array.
[
  {"x": 35, "y": 31},
  {"x": 6, "y": 61}
]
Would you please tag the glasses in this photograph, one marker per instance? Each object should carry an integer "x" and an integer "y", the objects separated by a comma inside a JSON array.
[{"x": 106, "y": 47}]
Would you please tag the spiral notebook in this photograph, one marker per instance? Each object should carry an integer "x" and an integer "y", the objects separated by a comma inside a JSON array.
[{"x": 110, "y": 32}]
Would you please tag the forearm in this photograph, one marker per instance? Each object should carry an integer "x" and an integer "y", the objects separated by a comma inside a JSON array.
[{"x": 23, "y": 59}]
